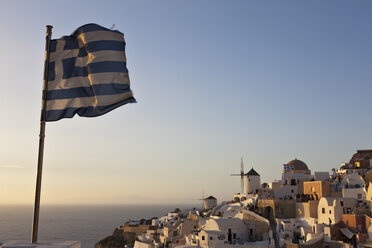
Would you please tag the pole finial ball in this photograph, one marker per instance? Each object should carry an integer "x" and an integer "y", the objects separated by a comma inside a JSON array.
[{"x": 49, "y": 29}]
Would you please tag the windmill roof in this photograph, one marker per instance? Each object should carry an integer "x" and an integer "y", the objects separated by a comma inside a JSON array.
[
  {"x": 211, "y": 198},
  {"x": 252, "y": 172}
]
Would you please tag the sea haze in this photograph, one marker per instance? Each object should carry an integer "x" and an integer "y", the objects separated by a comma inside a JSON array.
[{"x": 85, "y": 223}]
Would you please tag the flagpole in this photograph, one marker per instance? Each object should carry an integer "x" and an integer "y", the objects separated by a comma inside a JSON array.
[{"x": 35, "y": 223}]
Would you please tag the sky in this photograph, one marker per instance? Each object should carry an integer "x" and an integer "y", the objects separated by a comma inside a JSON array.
[{"x": 215, "y": 81}]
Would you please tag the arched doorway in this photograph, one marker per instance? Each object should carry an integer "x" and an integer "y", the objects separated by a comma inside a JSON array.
[{"x": 268, "y": 213}]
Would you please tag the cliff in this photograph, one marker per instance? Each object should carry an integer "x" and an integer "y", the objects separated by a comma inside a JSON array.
[{"x": 118, "y": 239}]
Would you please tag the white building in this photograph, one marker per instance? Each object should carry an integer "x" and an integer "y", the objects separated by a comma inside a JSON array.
[
  {"x": 232, "y": 233},
  {"x": 230, "y": 230},
  {"x": 146, "y": 241},
  {"x": 353, "y": 180},
  {"x": 292, "y": 184},
  {"x": 289, "y": 230},
  {"x": 353, "y": 186},
  {"x": 141, "y": 244},
  {"x": 252, "y": 182},
  {"x": 356, "y": 193},
  {"x": 258, "y": 227},
  {"x": 166, "y": 220},
  {"x": 227, "y": 210},
  {"x": 321, "y": 176},
  {"x": 369, "y": 194},
  {"x": 209, "y": 202},
  {"x": 330, "y": 209}
]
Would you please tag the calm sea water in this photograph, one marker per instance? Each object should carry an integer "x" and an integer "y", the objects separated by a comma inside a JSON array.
[{"x": 85, "y": 223}]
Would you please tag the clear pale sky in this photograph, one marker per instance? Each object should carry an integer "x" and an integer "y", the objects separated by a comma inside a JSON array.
[{"x": 215, "y": 81}]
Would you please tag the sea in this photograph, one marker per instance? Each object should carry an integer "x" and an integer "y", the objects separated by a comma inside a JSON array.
[{"x": 85, "y": 223}]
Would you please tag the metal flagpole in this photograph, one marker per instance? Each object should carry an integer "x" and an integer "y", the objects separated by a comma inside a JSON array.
[{"x": 35, "y": 223}]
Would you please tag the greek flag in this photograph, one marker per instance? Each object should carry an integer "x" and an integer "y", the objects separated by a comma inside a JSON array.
[
  {"x": 87, "y": 74},
  {"x": 288, "y": 167}
]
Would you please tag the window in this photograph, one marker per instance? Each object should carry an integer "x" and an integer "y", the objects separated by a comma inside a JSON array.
[
  {"x": 221, "y": 237},
  {"x": 211, "y": 238},
  {"x": 293, "y": 181},
  {"x": 291, "y": 190},
  {"x": 234, "y": 235},
  {"x": 359, "y": 196},
  {"x": 250, "y": 231},
  {"x": 203, "y": 238},
  {"x": 323, "y": 210},
  {"x": 342, "y": 203},
  {"x": 330, "y": 211}
]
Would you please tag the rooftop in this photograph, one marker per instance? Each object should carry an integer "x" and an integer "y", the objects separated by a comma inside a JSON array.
[{"x": 252, "y": 172}]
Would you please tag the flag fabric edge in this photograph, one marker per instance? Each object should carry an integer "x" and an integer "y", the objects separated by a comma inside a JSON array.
[{"x": 68, "y": 113}]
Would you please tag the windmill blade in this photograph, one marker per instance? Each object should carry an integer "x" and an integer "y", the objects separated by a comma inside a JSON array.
[
  {"x": 242, "y": 184},
  {"x": 242, "y": 174},
  {"x": 242, "y": 166}
]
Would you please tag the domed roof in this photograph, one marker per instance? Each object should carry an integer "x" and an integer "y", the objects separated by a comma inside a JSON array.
[
  {"x": 298, "y": 164},
  {"x": 368, "y": 177}
]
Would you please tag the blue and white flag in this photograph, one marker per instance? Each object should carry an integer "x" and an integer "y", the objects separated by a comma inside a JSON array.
[
  {"x": 288, "y": 167},
  {"x": 88, "y": 75}
]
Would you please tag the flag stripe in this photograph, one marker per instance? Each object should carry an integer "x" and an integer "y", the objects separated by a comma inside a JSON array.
[
  {"x": 89, "y": 47},
  {"x": 70, "y": 43},
  {"x": 92, "y": 79},
  {"x": 87, "y": 101},
  {"x": 53, "y": 46},
  {"x": 55, "y": 115},
  {"x": 106, "y": 45},
  {"x": 99, "y": 36},
  {"x": 110, "y": 43},
  {"x": 99, "y": 90},
  {"x": 100, "y": 56},
  {"x": 70, "y": 70}
]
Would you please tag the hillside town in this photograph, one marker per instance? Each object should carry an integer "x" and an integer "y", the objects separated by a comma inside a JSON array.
[{"x": 302, "y": 209}]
